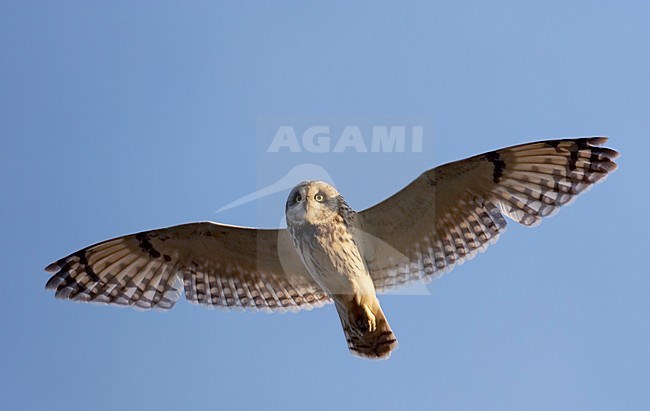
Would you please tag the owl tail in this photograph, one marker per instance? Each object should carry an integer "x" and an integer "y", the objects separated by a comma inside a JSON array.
[{"x": 366, "y": 338}]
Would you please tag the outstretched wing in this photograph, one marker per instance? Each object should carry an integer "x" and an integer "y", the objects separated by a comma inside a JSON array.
[
  {"x": 452, "y": 212},
  {"x": 215, "y": 265}
]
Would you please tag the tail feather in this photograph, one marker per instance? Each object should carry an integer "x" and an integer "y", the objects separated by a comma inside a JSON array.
[{"x": 376, "y": 344}]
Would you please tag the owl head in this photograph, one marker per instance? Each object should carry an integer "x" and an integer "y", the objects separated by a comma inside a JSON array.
[{"x": 312, "y": 202}]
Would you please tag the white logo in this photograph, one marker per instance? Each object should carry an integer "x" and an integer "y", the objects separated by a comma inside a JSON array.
[{"x": 318, "y": 139}]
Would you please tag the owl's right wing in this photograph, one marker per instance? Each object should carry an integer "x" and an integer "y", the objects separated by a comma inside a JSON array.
[
  {"x": 214, "y": 264},
  {"x": 452, "y": 212}
]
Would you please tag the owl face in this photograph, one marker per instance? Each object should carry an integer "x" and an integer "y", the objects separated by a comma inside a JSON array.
[{"x": 312, "y": 202}]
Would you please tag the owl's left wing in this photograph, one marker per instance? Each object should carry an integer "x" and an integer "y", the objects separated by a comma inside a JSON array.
[
  {"x": 214, "y": 264},
  {"x": 452, "y": 212}
]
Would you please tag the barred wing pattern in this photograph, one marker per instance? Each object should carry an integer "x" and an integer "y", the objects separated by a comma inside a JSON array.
[
  {"x": 215, "y": 265},
  {"x": 452, "y": 212}
]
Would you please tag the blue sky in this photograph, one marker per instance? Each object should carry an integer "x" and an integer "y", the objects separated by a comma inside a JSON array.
[{"x": 118, "y": 117}]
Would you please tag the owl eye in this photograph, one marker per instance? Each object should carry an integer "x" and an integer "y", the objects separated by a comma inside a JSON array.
[
  {"x": 297, "y": 198},
  {"x": 319, "y": 197}
]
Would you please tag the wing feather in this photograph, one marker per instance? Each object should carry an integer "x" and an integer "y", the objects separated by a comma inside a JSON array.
[
  {"x": 214, "y": 265},
  {"x": 453, "y": 212}
]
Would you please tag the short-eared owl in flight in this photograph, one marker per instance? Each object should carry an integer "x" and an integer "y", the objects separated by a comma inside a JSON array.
[{"x": 330, "y": 253}]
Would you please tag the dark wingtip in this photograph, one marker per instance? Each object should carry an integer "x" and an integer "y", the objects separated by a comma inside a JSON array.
[
  {"x": 598, "y": 140},
  {"x": 53, "y": 268},
  {"x": 53, "y": 283}
]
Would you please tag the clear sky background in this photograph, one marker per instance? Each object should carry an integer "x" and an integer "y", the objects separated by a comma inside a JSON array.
[{"x": 117, "y": 117}]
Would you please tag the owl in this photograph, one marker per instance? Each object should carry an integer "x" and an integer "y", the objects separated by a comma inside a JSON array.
[{"x": 331, "y": 254}]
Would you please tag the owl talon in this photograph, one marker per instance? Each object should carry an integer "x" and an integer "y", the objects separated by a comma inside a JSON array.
[
  {"x": 365, "y": 321},
  {"x": 370, "y": 318}
]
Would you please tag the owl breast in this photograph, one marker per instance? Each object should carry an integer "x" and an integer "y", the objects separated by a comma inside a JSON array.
[{"x": 332, "y": 257}]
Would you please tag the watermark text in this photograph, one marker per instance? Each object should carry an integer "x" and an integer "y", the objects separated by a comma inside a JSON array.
[{"x": 375, "y": 139}]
